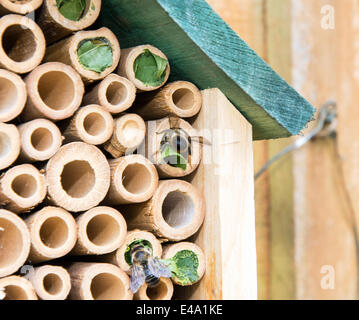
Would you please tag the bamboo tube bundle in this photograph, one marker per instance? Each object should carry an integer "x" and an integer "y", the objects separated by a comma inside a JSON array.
[
  {"x": 12, "y": 95},
  {"x": 22, "y": 188},
  {"x": 129, "y": 132},
  {"x": 78, "y": 177},
  {"x": 57, "y": 23},
  {"x": 55, "y": 91},
  {"x": 173, "y": 145},
  {"x": 93, "y": 54},
  {"x": 178, "y": 99},
  {"x": 53, "y": 233},
  {"x": 163, "y": 291},
  {"x": 134, "y": 179},
  {"x": 14, "y": 243},
  {"x": 130, "y": 67},
  {"x": 116, "y": 94},
  {"x": 19, "y": 7},
  {"x": 9, "y": 145},
  {"x": 51, "y": 282},
  {"x": 17, "y": 288},
  {"x": 170, "y": 251},
  {"x": 40, "y": 140},
  {"x": 119, "y": 256},
  {"x": 101, "y": 230},
  {"x": 175, "y": 212},
  {"x": 99, "y": 281},
  {"x": 91, "y": 124},
  {"x": 23, "y": 44}
]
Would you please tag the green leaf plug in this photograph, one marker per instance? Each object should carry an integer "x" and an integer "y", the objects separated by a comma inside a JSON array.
[{"x": 71, "y": 9}]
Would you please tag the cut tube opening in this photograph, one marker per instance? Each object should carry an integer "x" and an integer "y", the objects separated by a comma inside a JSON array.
[
  {"x": 56, "y": 90},
  {"x": 158, "y": 292},
  {"x": 94, "y": 124},
  {"x": 183, "y": 98},
  {"x": 24, "y": 185},
  {"x": 53, "y": 284},
  {"x": 102, "y": 230},
  {"x": 41, "y": 139},
  {"x": 19, "y": 42},
  {"x": 5, "y": 145},
  {"x": 178, "y": 209},
  {"x": 106, "y": 286},
  {"x": 136, "y": 178},
  {"x": 116, "y": 93},
  {"x": 13, "y": 292},
  {"x": 8, "y": 95},
  {"x": 11, "y": 242},
  {"x": 77, "y": 178},
  {"x": 54, "y": 232},
  {"x": 131, "y": 130}
]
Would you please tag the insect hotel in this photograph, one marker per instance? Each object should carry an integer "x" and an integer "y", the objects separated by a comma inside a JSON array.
[{"x": 126, "y": 150}]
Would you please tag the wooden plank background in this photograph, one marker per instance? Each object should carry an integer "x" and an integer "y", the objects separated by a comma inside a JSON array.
[{"x": 307, "y": 204}]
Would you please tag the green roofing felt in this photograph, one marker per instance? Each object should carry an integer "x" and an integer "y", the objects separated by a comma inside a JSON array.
[{"x": 203, "y": 49}]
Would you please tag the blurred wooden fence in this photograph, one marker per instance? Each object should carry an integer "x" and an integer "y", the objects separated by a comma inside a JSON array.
[{"x": 307, "y": 204}]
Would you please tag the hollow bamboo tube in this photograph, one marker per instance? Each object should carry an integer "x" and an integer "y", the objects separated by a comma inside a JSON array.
[
  {"x": 22, "y": 188},
  {"x": 129, "y": 132},
  {"x": 163, "y": 291},
  {"x": 78, "y": 177},
  {"x": 12, "y": 95},
  {"x": 155, "y": 131},
  {"x": 99, "y": 281},
  {"x": 17, "y": 288},
  {"x": 14, "y": 242},
  {"x": 18, "y": 6},
  {"x": 51, "y": 282},
  {"x": 128, "y": 57},
  {"x": 40, "y": 140},
  {"x": 55, "y": 92},
  {"x": 9, "y": 145},
  {"x": 66, "y": 51},
  {"x": 118, "y": 257},
  {"x": 179, "y": 99},
  {"x": 101, "y": 230},
  {"x": 116, "y": 94},
  {"x": 22, "y": 45},
  {"x": 175, "y": 212},
  {"x": 134, "y": 179},
  {"x": 53, "y": 233},
  {"x": 169, "y": 251},
  {"x": 91, "y": 124},
  {"x": 56, "y": 26}
]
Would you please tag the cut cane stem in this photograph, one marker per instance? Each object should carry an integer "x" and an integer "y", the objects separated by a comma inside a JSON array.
[
  {"x": 126, "y": 66},
  {"x": 55, "y": 92},
  {"x": 12, "y": 95},
  {"x": 22, "y": 45},
  {"x": 179, "y": 99},
  {"x": 14, "y": 242},
  {"x": 175, "y": 212},
  {"x": 78, "y": 177},
  {"x": 17, "y": 288},
  {"x": 51, "y": 282},
  {"x": 134, "y": 179},
  {"x": 116, "y": 94},
  {"x": 9, "y": 145},
  {"x": 19, "y": 6},
  {"x": 22, "y": 188},
  {"x": 91, "y": 124},
  {"x": 53, "y": 234},
  {"x": 163, "y": 291},
  {"x": 101, "y": 230},
  {"x": 56, "y": 26},
  {"x": 66, "y": 51},
  {"x": 169, "y": 251},
  {"x": 40, "y": 140},
  {"x": 99, "y": 281},
  {"x": 129, "y": 132}
]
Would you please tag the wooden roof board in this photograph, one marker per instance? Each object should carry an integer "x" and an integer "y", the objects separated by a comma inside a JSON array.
[{"x": 203, "y": 49}]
